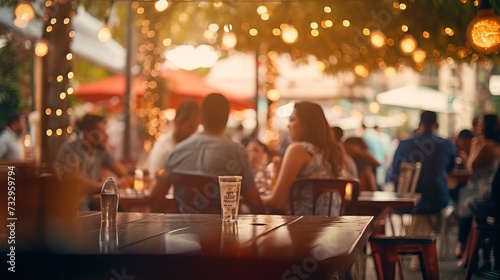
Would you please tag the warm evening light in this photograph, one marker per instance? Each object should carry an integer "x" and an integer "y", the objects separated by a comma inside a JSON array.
[
  {"x": 273, "y": 95},
  {"x": 24, "y": 11},
  {"x": 408, "y": 44},
  {"x": 161, "y": 5},
  {"x": 289, "y": 34},
  {"x": 378, "y": 39},
  {"x": 483, "y": 32},
  {"x": 229, "y": 40},
  {"x": 41, "y": 48},
  {"x": 361, "y": 70},
  {"x": 419, "y": 56},
  {"x": 104, "y": 34}
]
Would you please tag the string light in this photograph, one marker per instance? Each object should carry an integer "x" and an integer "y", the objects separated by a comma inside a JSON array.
[
  {"x": 161, "y": 5},
  {"x": 483, "y": 32},
  {"x": 104, "y": 34},
  {"x": 289, "y": 34},
  {"x": 24, "y": 12},
  {"x": 41, "y": 48}
]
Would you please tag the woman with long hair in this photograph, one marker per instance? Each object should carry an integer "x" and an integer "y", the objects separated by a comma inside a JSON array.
[{"x": 314, "y": 152}]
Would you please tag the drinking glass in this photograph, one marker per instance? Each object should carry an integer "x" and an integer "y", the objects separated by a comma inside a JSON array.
[{"x": 230, "y": 187}]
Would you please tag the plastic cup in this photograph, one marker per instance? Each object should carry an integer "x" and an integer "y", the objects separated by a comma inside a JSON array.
[{"x": 230, "y": 188}]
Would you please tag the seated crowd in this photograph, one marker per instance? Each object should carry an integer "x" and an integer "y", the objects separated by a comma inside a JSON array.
[{"x": 315, "y": 151}]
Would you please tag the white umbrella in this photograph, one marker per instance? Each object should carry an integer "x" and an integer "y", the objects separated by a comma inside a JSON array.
[{"x": 418, "y": 97}]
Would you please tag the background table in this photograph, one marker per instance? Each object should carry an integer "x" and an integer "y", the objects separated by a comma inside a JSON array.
[
  {"x": 375, "y": 202},
  {"x": 180, "y": 246}
]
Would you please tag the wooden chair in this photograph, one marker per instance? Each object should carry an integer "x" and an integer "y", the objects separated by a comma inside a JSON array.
[
  {"x": 200, "y": 194},
  {"x": 320, "y": 193},
  {"x": 409, "y": 174},
  {"x": 386, "y": 253}
]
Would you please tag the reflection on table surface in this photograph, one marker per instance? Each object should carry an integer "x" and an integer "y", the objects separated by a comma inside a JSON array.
[{"x": 268, "y": 244}]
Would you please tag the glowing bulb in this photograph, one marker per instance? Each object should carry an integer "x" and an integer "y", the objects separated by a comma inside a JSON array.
[
  {"x": 104, "y": 34},
  {"x": 419, "y": 56},
  {"x": 289, "y": 34},
  {"x": 41, "y": 48},
  {"x": 229, "y": 40},
  {"x": 273, "y": 95},
  {"x": 483, "y": 32},
  {"x": 361, "y": 70},
  {"x": 161, "y": 5},
  {"x": 408, "y": 44},
  {"x": 24, "y": 11},
  {"x": 378, "y": 39},
  {"x": 374, "y": 107}
]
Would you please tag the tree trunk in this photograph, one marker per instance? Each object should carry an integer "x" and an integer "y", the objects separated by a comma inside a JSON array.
[{"x": 55, "y": 80}]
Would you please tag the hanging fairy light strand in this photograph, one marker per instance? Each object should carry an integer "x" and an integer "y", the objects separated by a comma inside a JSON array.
[{"x": 105, "y": 34}]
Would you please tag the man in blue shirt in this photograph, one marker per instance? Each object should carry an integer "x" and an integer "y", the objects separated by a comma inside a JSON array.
[{"x": 437, "y": 156}]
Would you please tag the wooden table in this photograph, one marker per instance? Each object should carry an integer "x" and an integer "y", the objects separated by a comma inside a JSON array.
[
  {"x": 374, "y": 203},
  {"x": 195, "y": 246}
]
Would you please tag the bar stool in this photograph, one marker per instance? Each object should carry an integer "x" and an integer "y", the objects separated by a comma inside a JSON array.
[{"x": 386, "y": 251}]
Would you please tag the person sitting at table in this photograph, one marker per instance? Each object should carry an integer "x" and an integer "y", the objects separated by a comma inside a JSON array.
[
  {"x": 208, "y": 154},
  {"x": 87, "y": 156},
  {"x": 437, "y": 156},
  {"x": 463, "y": 144},
  {"x": 186, "y": 121},
  {"x": 351, "y": 170},
  {"x": 483, "y": 161},
  {"x": 313, "y": 153},
  {"x": 357, "y": 149},
  {"x": 258, "y": 155},
  {"x": 11, "y": 138}
]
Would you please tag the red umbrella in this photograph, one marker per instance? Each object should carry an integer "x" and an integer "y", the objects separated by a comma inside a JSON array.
[{"x": 182, "y": 85}]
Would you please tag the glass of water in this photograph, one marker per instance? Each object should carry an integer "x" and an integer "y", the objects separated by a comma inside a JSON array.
[{"x": 230, "y": 188}]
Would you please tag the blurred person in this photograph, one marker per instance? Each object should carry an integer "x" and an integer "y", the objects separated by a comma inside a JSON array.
[
  {"x": 483, "y": 160},
  {"x": 378, "y": 149},
  {"x": 88, "y": 156},
  {"x": 350, "y": 170},
  {"x": 210, "y": 154},
  {"x": 437, "y": 156},
  {"x": 259, "y": 157},
  {"x": 365, "y": 162},
  {"x": 314, "y": 152},
  {"x": 463, "y": 145},
  {"x": 12, "y": 137},
  {"x": 186, "y": 122}
]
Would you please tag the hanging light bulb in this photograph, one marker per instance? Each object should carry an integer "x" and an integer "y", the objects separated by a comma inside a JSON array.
[
  {"x": 24, "y": 11},
  {"x": 378, "y": 39},
  {"x": 229, "y": 40},
  {"x": 408, "y": 44},
  {"x": 289, "y": 34},
  {"x": 41, "y": 48},
  {"x": 161, "y": 5},
  {"x": 483, "y": 32},
  {"x": 419, "y": 55},
  {"x": 104, "y": 34}
]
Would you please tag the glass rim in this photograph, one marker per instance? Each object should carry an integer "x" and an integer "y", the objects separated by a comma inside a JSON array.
[{"x": 231, "y": 178}]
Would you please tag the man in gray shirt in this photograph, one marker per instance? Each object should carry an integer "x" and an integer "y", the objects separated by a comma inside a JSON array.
[{"x": 208, "y": 154}]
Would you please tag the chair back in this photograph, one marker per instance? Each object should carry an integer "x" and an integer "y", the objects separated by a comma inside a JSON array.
[
  {"x": 196, "y": 194},
  {"x": 408, "y": 176},
  {"x": 324, "y": 196}
]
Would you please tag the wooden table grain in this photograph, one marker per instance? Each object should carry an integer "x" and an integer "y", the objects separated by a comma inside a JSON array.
[{"x": 194, "y": 246}]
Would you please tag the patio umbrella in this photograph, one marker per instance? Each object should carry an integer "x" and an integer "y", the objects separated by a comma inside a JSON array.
[{"x": 181, "y": 84}]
